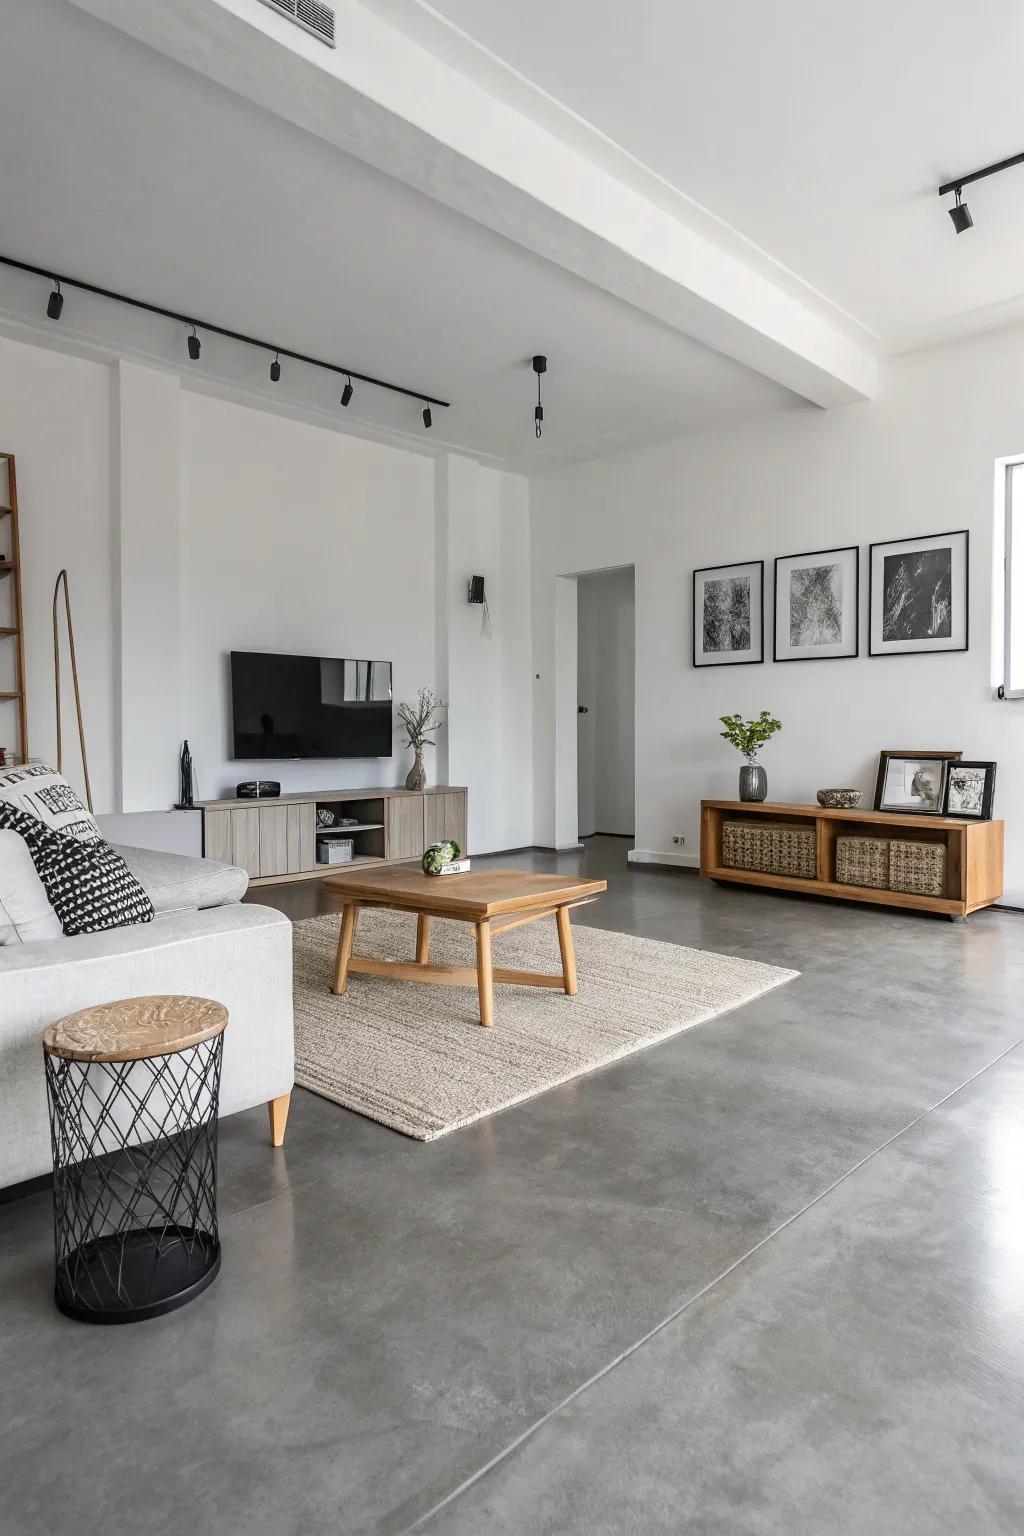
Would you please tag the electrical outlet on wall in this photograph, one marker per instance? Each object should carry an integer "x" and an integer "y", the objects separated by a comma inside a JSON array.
[{"x": 678, "y": 838}]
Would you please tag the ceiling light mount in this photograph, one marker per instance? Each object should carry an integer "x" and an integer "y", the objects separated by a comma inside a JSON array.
[
  {"x": 275, "y": 369},
  {"x": 55, "y": 303},
  {"x": 960, "y": 213},
  {"x": 540, "y": 366},
  {"x": 347, "y": 393},
  {"x": 428, "y": 420},
  {"x": 195, "y": 346}
]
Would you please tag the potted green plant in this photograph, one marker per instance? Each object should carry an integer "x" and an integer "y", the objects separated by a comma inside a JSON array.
[
  {"x": 420, "y": 721},
  {"x": 748, "y": 737}
]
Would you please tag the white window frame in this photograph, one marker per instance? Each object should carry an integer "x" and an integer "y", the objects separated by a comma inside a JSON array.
[{"x": 1008, "y": 580}]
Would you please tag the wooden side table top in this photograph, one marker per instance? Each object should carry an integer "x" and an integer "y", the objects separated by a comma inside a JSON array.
[
  {"x": 474, "y": 897},
  {"x": 135, "y": 1028}
]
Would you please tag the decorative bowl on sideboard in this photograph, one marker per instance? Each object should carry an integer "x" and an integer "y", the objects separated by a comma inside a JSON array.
[{"x": 839, "y": 799}]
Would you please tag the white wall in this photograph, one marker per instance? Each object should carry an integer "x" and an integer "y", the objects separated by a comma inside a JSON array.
[
  {"x": 152, "y": 716},
  {"x": 490, "y": 733},
  {"x": 192, "y": 526},
  {"x": 55, "y": 417},
  {"x": 605, "y": 672},
  {"x": 296, "y": 539},
  {"x": 919, "y": 460}
]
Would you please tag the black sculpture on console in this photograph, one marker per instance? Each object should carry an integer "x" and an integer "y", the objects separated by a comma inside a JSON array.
[{"x": 185, "y": 800}]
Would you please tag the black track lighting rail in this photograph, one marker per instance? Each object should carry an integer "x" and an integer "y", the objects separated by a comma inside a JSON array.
[
  {"x": 63, "y": 281},
  {"x": 958, "y": 184}
]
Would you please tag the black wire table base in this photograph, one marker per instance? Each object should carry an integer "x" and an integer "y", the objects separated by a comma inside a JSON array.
[{"x": 134, "y": 1181}]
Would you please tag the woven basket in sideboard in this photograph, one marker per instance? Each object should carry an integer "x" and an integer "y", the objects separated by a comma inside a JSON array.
[
  {"x": 863, "y": 861},
  {"x": 771, "y": 850},
  {"x": 919, "y": 869}
]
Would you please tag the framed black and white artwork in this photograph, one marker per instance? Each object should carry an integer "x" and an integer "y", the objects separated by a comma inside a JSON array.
[
  {"x": 913, "y": 781},
  {"x": 970, "y": 790},
  {"x": 918, "y": 595},
  {"x": 728, "y": 614},
  {"x": 817, "y": 605}
]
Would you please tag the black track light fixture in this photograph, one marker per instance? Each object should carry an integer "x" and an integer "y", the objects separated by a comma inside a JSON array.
[
  {"x": 540, "y": 365},
  {"x": 347, "y": 392},
  {"x": 961, "y": 215},
  {"x": 275, "y": 369},
  {"x": 428, "y": 420},
  {"x": 55, "y": 304}
]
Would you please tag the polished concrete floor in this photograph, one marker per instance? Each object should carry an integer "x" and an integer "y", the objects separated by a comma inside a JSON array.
[{"x": 767, "y": 1276}]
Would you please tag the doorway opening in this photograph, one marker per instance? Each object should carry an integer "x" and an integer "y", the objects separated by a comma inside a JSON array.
[{"x": 605, "y": 719}]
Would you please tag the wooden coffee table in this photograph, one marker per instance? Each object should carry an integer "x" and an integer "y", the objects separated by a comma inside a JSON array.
[{"x": 493, "y": 900}]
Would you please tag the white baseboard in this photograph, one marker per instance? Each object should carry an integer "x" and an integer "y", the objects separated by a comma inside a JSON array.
[{"x": 652, "y": 856}]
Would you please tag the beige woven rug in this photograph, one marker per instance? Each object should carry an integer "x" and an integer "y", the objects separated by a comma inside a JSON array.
[{"x": 415, "y": 1057}]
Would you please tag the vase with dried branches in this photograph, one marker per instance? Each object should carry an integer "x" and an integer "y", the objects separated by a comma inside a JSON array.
[{"x": 421, "y": 721}]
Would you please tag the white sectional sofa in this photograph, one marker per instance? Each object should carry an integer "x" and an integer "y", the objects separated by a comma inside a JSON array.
[{"x": 203, "y": 940}]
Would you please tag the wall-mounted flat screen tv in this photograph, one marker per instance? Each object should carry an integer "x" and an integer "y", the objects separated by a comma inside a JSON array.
[{"x": 309, "y": 706}]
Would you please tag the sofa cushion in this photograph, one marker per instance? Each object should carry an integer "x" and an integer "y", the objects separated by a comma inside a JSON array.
[
  {"x": 47, "y": 795},
  {"x": 175, "y": 883},
  {"x": 89, "y": 885},
  {"x": 25, "y": 912}
]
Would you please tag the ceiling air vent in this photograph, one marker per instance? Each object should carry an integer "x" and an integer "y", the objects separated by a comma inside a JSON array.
[{"x": 312, "y": 15}]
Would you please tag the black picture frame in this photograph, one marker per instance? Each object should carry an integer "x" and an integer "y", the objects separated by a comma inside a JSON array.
[
  {"x": 934, "y": 648},
  {"x": 813, "y": 554},
  {"x": 944, "y": 758},
  {"x": 988, "y": 792},
  {"x": 740, "y": 661}
]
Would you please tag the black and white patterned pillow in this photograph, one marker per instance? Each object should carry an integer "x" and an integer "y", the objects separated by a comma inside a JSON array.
[
  {"x": 88, "y": 885},
  {"x": 42, "y": 792}
]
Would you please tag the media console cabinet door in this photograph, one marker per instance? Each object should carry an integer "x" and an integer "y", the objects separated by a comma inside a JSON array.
[
  {"x": 217, "y": 835},
  {"x": 245, "y": 840},
  {"x": 273, "y": 840},
  {"x": 301, "y": 837},
  {"x": 444, "y": 816},
  {"x": 405, "y": 827},
  {"x": 233, "y": 837}
]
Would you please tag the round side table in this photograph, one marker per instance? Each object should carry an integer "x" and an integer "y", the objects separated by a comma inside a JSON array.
[{"x": 133, "y": 1090}]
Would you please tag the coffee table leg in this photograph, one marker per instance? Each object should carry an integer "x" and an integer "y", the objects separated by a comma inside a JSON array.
[
  {"x": 567, "y": 949},
  {"x": 422, "y": 938},
  {"x": 348, "y": 933},
  {"x": 484, "y": 973}
]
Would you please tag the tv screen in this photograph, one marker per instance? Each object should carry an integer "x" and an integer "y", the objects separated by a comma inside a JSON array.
[{"x": 309, "y": 706}]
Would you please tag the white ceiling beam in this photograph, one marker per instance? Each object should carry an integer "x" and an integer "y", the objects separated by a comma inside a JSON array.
[{"x": 384, "y": 98}]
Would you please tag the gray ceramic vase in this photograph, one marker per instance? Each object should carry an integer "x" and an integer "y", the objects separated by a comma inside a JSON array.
[{"x": 753, "y": 782}]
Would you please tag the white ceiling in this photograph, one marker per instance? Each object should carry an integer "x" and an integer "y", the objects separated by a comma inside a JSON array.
[
  {"x": 143, "y": 176},
  {"x": 800, "y": 143},
  {"x": 819, "y": 132}
]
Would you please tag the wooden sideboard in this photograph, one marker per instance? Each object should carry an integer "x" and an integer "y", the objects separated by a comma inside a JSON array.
[
  {"x": 974, "y": 853},
  {"x": 275, "y": 839}
]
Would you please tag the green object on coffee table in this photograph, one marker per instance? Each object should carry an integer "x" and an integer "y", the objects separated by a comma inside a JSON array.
[{"x": 438, "y": 855}]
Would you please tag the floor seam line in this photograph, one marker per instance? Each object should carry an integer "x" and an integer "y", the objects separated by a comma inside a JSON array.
[{"x": 659, "y": 1327}]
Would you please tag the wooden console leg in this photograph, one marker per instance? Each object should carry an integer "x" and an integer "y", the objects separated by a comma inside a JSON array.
[
  {"x": 568, "y": 950},
  {"x": 278, "y": 1111},
  {"x": 348, "y": 933},
  {"x": 423, "y": 938},
  {"x": 485, "y": 974}
]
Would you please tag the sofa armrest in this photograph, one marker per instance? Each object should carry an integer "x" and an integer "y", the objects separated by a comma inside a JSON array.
[{"x": 239, "y": 955}]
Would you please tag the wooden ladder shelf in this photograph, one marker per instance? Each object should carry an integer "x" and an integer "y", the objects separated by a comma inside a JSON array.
[{"x": 13, "y": 627}]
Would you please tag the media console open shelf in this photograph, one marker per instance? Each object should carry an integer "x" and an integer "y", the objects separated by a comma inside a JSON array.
[
  {"x": 974, "y": 853},
  {"x": 275, "y": 839}
]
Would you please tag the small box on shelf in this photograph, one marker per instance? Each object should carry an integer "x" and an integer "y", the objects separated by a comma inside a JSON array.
[{"x": 334, "y": 850}]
